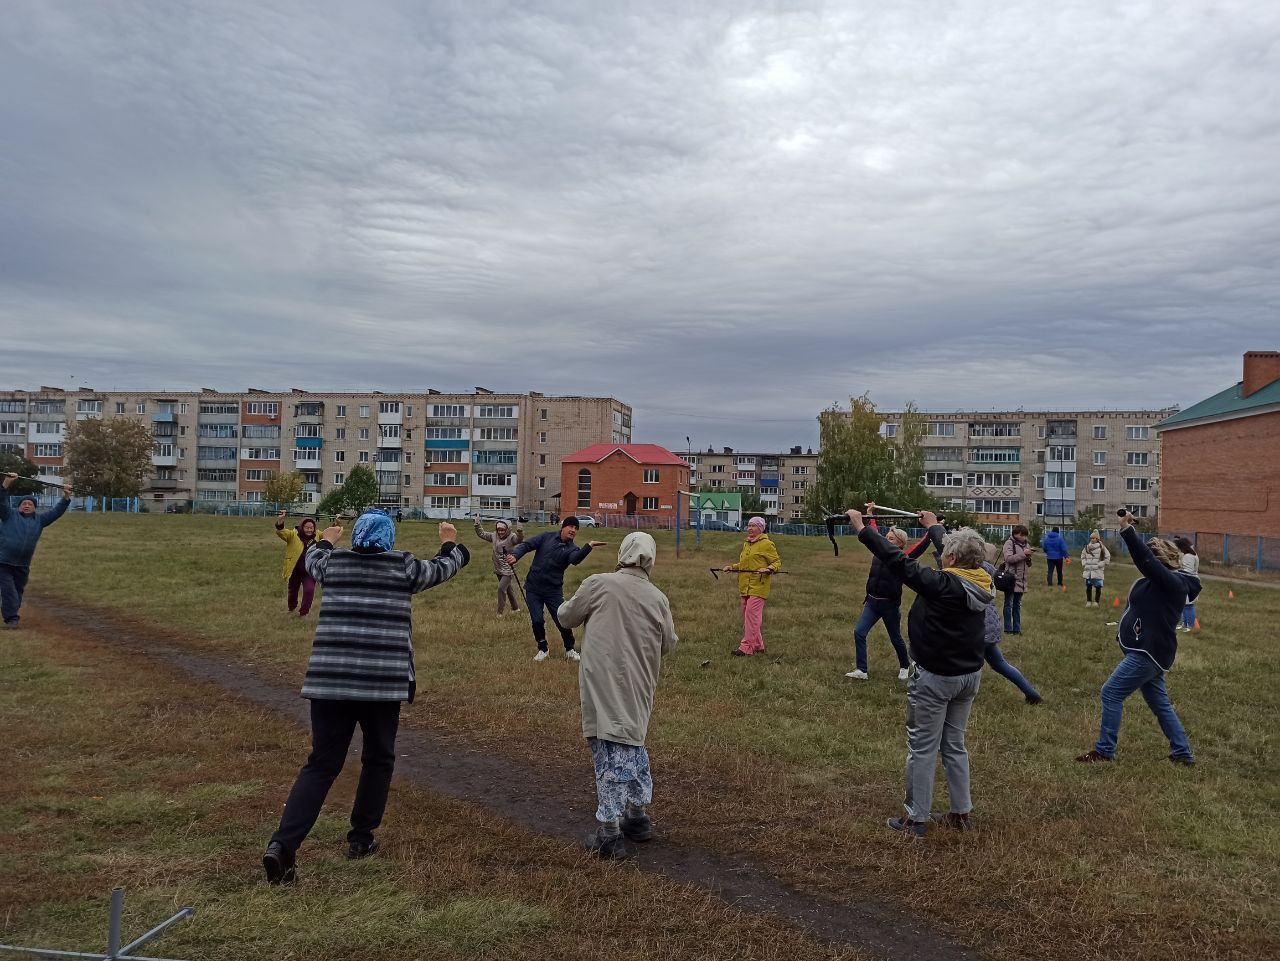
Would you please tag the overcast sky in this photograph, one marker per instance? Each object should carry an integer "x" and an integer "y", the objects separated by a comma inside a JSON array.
[{"x": 727, "y": 214}]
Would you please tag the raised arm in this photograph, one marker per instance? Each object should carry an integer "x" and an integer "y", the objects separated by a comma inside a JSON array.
[
  {"x": 450, "y": 559},
  {"x": 525, "y": 547},
  {"x": 922, "y": 580},
  {"x": 518, "y": 536},
  {"x": 580, "y": 554},
  {"x": 482, "y": 533},
  {"x": 280, "y": 531},
  {"x": 931, "y": 536},
  {"x": 1146, "y": 562},
  {"x": 60, "y": 508}
]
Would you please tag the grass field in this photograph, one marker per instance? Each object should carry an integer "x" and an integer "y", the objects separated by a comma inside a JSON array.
[{"x": 776, "y": 758}]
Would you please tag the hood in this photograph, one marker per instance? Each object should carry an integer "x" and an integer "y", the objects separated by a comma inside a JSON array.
[
  {"x": 977, "y": 586},
  {"x": 638, "y": 550}
]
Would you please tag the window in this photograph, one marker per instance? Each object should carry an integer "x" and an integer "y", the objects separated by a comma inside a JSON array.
[
  {"x": 1099, "y": 431},
  {"x": 389, "y": 431},
  {"x": 219, "y": 408},
  {"x": 214, "y": 495},
  {"x": 340, "y": 410},
  {"x": 340, "y": 433},
  {"x": 496, "y": 433},
  {"x": 542, "y": 483},
  {"x": 1137, "y": 510},
  {"x": 943, "y": 479},
  {"x": 1062, "y": 453},
  {"x": 364, "y": 433},
  {"x": 649, "y": 503},
  {"x": 444, "y": 433},
  {"x": 221, "y": 453},
  {"x": 267, "y": 408},
  {"x": 995, "y": 506},
  {"x": 445, "y": 503},
  {"x": 1099, "y": 458},
  {"x": 1099, "y": 483},
  {"x": 340, "y": 456},
  {"x": 998, "y": 429},
  {"x": 888, "y": 430},
  {"x": 542, "y": 460},
  {"x": 257, "y": 432},
  {"x": 364, "y": 410},
  {"x": 408, "y": 457},
  {"x": 388, "y": 407},
  {"x": 254, "y": 453},
  {"x": 542, "y": 437},
  {"x": 1039, "y": 482},
  {"x": 388, "y": 456},
  {"x": 142, "y": 408},
  {"x": 1135, "y": 458},
  {"x": 14, "y": 427},
  {"x": 339, "y": 479},
  {"x": 490, "y": 457},
  {"x": 48, "y": 450},
  {"x": 119, "y": 407},
  {"x": 495, "y": 503},
  {"x": 651, "y": 475},
  {"x": 542, "y": 413},
  {"x": 95, "y": 407},
  {"x": 490, "y": 410},
  {"x": 448, "y": 410},
  {"x": 993, "y": 479},
  {"x": 494, "y": 480},
  {"x": 939, "y": 429},
  {"x": 745, "y": 461},
  {"x": 447, "y": 456},
  {"x": 364, "y": 457},
  {"x": 408, "y": 479},
  {"x": 216, "y": 430},
  {"x": 801, "y": 470},
  {"x": 48, "y": 406},
  {"x": 436, "y": 479},
  {"x": 994, "y": 455},
  {"x": 584, "y": 488},
  {"x": 20, "y": 407},
  {"x": 1040, "y": 431},
  {"x": 1136, "y": 433},
  {"x": 799, "y": 485},
  {"x": 1060, "y": 480},
  {"x": 1136, "y": 484},
  {"x": 166, "y": 450},
  {"x": 249, "y": 475},
  {"x": 1039, "y": 508}
]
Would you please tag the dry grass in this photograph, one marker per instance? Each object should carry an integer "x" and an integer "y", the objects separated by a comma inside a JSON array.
[{"x": 782, "y": 759}]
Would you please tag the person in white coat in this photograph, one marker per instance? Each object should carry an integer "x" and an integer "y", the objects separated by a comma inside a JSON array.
[{"x": 628, "y": 629}]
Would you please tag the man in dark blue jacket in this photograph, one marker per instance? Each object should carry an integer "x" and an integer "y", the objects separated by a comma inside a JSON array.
[
  {"x": 553, "y": 552},
  {"x": 1055, "y": 552},
  {"x": 18, "y": 536}
]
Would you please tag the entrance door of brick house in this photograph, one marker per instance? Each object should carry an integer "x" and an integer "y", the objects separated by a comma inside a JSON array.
[{"x": 630, "y": 502}]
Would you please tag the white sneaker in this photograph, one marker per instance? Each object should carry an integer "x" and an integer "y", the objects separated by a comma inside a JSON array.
[
  {"x": 540, "y": 656},
  {"x": 572, "y": 655},
  {"x": 904, "y": 673},
  {"x": 857, "y": 675}
]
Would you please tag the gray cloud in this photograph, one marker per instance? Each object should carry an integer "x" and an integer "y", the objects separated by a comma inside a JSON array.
[{"x": 729, "y": 215}]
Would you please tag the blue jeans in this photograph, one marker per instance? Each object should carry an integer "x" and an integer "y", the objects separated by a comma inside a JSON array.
[
  {"x": 1189, "y": 616},
  {"x": 536, "y": 602},
  {"x": 1137, "y": 672},
  {"x": 872, "y": 611},
  {"x": 1012, "y": 612},
  {"x": 995, "y": 657}
]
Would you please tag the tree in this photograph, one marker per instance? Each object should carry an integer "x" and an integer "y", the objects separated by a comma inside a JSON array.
[
  {"x": 359, "y": 492},
  {"x": 109, "y": 458},
  {"x": 1089, "y": 519},
  {"x": 283, "y": 489},
  {"x": 15, "y": 462},
  {"x": 856, "y": 464},
  {"x": 752, "y": 502}
]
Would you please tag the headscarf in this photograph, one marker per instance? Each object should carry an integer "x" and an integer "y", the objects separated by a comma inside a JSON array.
[
  {"x": 638, "y": 550},
  {"x": 760, "y": 525},
  {"x": 307, "y": 538},
  {"x": 374, "y": 530},
  {"x": 502, "y": 527}
]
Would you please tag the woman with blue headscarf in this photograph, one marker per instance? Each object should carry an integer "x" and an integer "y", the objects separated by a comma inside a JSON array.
[{"x": 361, "y": 669}]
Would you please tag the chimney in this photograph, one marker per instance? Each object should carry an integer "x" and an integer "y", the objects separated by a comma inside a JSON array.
[{"x": 1261, "y": 368}]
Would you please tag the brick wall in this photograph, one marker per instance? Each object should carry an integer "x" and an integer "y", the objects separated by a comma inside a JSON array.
[
  {"x": 616, "y": 476},
  {"x": 1222, "y": 477}
]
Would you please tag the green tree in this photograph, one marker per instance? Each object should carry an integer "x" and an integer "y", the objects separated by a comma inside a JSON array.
[
  {"x": 109, "y": 458},
  {"x": 15, "y": 462},
  {"x": 283, "y": 490},
  {"x": 1089, "y": 519},
  {"x": 856, "y": 464},
  {"x": 359, "y": 491},
  {"x": 752, "y": 502}
]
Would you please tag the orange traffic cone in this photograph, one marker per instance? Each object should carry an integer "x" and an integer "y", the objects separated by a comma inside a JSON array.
[
  {"x": 1197, "y": 623},
  {"x": 1231, "y": 595},
  {"x": 1064, "y": 588},
  {"x": 1116, "y": 602}
]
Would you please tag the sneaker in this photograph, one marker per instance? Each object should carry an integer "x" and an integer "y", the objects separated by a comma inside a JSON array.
[
  {"x": 572, "y": 655},
  {"x": 638, "y": 828},
  {"x": 1093, "y": 757},
  {"x": 357, "y": 850},
  {"x": 904, "y": 673},
  {"x": 608, "y": 848},
  {"x": 1184, "y": 761},
  {"x": 279, "y": 865},
  {"x": 12, "y": 625},
  {"x": 857, "y": 675},
  {"x": 957, "y": 822},
  {"x": 1034, "y": 699},
  {"x": 912, "y": 829},
  {"x": 541, "y": 656}
]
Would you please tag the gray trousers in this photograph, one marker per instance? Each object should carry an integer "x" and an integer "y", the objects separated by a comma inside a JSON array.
[{"x": 937, "y": 713}]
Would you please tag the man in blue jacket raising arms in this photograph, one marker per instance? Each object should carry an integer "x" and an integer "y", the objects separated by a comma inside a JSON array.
[
  {"x": 553, "y": 552},
  {"x": 18, "y": 536},
  {"x": 1055, "y": 552}
]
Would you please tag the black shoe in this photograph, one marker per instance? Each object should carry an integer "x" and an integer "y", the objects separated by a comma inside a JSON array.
[
  {"x": 1184, "y": 761},
  {"x": 279, "y": 865},
  {"x": 612, "y": 848},
  {"x": 737, "y": 652},
  {"x": 638, "y": 828},
  {"x": 1034, "y": 698},
  {"x": 356, "y": 850},
  {"x": 13, "y": 625}
]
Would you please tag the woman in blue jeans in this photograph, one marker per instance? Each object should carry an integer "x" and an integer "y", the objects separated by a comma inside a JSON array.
[
  {"x": 1017, "y": 559},
  {"x": 995, "y": 657},
  {"x": 1149, "y": 640}
]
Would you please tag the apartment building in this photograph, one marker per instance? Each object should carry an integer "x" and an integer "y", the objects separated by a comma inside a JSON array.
[
  {"x": 1011, "y": 467},
  {"x": 447, "y": 453},
  {"x": 781, "y": 480}
]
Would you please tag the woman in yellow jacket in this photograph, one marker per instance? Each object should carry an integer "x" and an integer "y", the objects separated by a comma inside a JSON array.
[
  {"x": 296, "y": 544},
  {"x": 759, "y": 559}
]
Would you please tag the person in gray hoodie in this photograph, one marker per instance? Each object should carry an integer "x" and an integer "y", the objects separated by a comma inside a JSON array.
[
  {"x": 502, "y": 540},
  {"x": 19, "y": 533},
  {"x": 947, "y": 632}
]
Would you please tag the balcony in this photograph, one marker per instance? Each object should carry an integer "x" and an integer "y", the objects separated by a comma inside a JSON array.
[
  {"x": 164, "y": 460},
  {"x": 163, "y": 484},
  {"x": 396, "y": 418},
  {"x": 390, "y": 442},
  {"x": 460, "y": 444},
  {"x": 164, "y": 417},
  {"x": 308, "y": 443},
  {"x": 311, "y": 488}
]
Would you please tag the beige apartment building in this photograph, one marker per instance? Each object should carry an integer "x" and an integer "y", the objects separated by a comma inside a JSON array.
[
  {"x": 448, "y": 454},
  {"x": 781, "y": 480},
  {"x": 1011, "y": 467}
]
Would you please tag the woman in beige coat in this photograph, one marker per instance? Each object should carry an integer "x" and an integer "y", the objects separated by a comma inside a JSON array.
[
  {"x": 628, "y": 630},
  {"x": 502, "y": 540}
]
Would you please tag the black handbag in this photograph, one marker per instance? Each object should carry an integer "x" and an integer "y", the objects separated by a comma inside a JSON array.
[{"x": 1004, "y": 580}]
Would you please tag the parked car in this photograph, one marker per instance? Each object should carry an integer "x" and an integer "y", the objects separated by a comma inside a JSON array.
[
  {"x": 585, "y": 520},
  {"x": 711, "y": 524}
]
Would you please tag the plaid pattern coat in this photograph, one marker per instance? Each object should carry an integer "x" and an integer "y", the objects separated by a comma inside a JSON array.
[{"x": 363, "y": 650}]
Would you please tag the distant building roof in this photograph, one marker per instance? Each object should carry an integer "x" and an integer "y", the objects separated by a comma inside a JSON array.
[
  {"x": 717, "y": 501},
  {"x": 640, "y": 453},
  {"x": 1226, "y": 405}
]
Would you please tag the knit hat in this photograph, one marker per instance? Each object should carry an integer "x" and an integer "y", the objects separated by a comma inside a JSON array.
[
  {"x": 569, "y": 522},
  {"x": 758, "y": 522},
  {"x": 35, "y": 502},
  {"x": 374, "y": 529}
]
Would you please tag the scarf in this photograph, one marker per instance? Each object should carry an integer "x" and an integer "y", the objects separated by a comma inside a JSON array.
[{"x": 974, "y": 575}]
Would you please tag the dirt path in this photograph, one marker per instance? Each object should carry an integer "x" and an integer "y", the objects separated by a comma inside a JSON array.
[{"x": 448, "y": 766}]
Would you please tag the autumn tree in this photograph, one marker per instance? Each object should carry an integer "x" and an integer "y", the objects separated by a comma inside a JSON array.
[
  {"x": 109, "y": 458},
  {"x": 283, "y": 489}
]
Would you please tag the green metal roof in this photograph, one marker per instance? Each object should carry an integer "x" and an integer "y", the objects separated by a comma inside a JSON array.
[
  {"x": 716, "y": 501},
  {"x": 1227, "y": 403}
]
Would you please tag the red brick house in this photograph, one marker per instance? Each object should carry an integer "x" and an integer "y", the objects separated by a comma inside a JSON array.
[
  {"x": 632, "y": 479},
  {"x": 1220, "y": 458}
]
